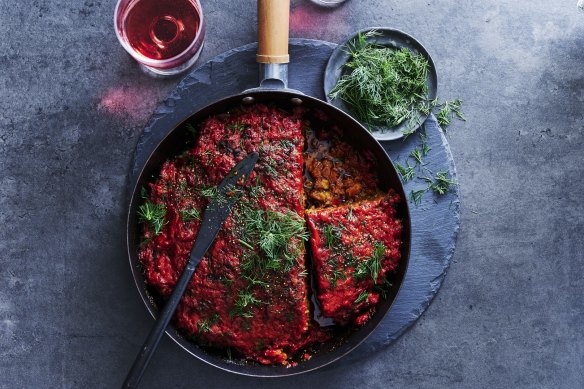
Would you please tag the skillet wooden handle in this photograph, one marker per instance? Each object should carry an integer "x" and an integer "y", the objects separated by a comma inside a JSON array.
[{"x": 273, "y": 24}]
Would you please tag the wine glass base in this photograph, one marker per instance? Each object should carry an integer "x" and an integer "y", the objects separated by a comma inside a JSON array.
[
  {"x": 172, "y": 72},
  {"x": 328, "y": 3}
]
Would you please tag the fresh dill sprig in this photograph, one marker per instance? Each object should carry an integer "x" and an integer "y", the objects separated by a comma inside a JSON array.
[
  {"x": 245, "y": 244},
  {"x": 274, "y": 231},
  {"x": 372, "y": 265},
  {"x": 153, "y": 214},
  {"x": 204, "y": 325},
  {"x": 337, "y": 273},
  {"x": 448, "y": 110},
  {"x": 407, "y": 172},
  {"x": 143, "y": 193},
  {"x": 417, "y": 155},
  {"x": 376, "y": 259},
  {"x": 416, "y": 196},
  {"x": 332, "y": 235},
  {"x": 425, "y": 148},
  {"x": 190, "y": 214},
  {"x": 253, "y": 281},
  {"x": 442, "y": 183},
  {"x": 362, "y": 297},
  {"x": 210, "y": 192},
  {"x": 245, "y": 301},
  {"x": 383, "y": 85}
]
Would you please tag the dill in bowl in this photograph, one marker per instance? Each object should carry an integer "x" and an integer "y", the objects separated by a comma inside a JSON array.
[{"x": 383, "y": 86}]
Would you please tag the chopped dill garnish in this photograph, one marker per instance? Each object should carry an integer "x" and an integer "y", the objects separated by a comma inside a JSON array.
[
  {"x": 245, "y": 301},
  {"x": 383, "y": 85},
  {"x": 442, "y": 182},
  {"x": 373, "y": 265},
  {"x": 332, "y": 235},
  {"x": 362, "y": 297},
  {"x": 270, "y": 168},
  {"x": 376, "y": 259},
  {"x": 253, "y": 280},
  {"x": 407, "y": 173},
  {"x": 273, "y": 231},
  {"x": 190, "y": 214},
  {"x": 245, "y": 244},
  {"x": 256, "y": 189},
  {"x": 337, "y": 273},
  {"x": 210, "y": 192},
  {"x": 286, "y": 143},
  {"x": 153, "y": 214},
  {"x": 237, "y": 126},
  {"x": 204, "y": 325}
]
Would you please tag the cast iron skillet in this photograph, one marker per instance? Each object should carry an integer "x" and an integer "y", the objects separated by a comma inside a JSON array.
[{"x": 273, "y": 58}]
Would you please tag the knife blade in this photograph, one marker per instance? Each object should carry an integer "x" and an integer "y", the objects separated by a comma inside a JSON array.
[
  {"x": 220, "y": 207},
  {"x": 228, "y": 192}
]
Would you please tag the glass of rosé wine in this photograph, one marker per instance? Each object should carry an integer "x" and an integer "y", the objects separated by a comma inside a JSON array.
[{"x": 164, "y": 36}]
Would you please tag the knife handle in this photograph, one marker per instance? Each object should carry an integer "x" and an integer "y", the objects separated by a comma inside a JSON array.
[
  {"x": 273, "y": 26},
  {"x": 157, "y": 331}
]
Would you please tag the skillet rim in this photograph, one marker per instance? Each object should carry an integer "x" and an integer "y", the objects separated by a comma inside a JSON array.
[{"x": 357, "y": 336}]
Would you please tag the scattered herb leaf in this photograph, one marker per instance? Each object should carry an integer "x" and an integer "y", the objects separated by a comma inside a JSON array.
[
  {"x": 417, "y": 155},
  {"x": 416, "y": 196},
  {"x": 407, "y": 173},
  {"x": 442, "y": 183}
]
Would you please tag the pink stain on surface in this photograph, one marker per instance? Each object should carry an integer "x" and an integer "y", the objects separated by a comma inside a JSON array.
[
  {"x": 311, "y": 21},
  {"x": 134, "y": 102}
]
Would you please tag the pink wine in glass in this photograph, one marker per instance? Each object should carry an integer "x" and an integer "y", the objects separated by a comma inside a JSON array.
[{"x": 164, "y": 36}]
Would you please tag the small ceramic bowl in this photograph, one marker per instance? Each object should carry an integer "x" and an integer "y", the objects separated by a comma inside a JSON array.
[{"x": 387, "y": 37}]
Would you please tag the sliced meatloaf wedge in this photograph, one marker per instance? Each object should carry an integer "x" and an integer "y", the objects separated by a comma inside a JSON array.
[{"x": 354, "y": 247}]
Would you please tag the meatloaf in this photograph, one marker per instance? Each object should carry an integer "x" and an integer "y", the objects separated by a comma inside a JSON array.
[
  {"x": 353, "y": 247},
  {"x": 249, "y": 292}
]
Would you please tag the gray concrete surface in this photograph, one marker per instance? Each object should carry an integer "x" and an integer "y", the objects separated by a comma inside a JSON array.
[{"x": 72, "y": 105}]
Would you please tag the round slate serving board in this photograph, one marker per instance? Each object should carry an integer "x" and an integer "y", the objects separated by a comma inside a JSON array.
[{"x": 435, "y": 220}]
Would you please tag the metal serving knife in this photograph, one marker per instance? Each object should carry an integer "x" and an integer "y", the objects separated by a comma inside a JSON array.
[{"x": 213, "y": 218}]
